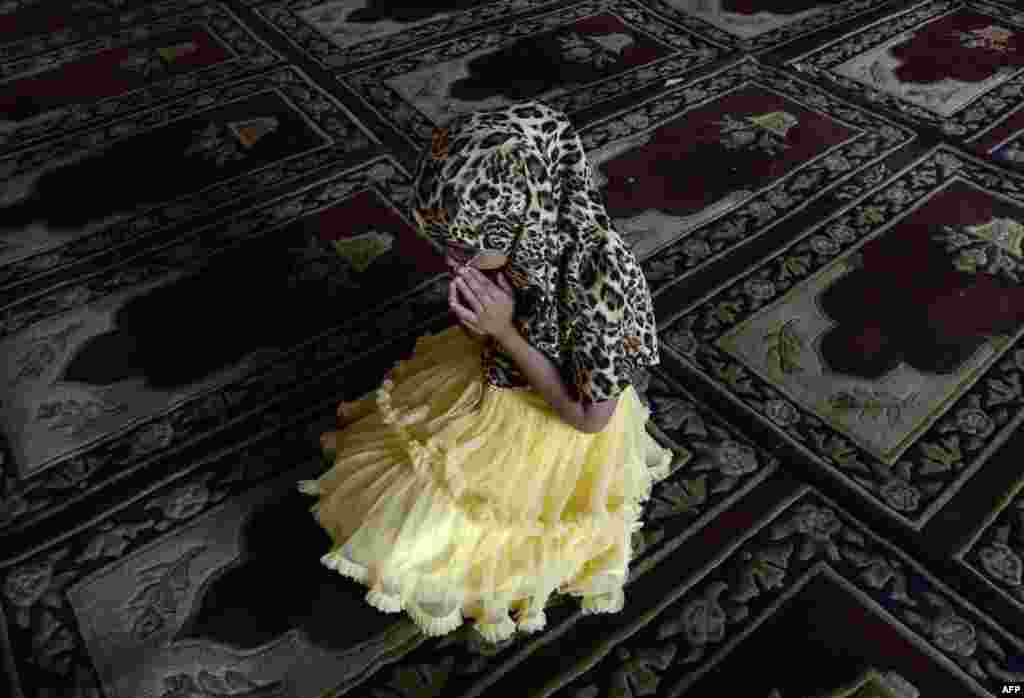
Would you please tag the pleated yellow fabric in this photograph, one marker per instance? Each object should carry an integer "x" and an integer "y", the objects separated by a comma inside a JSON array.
[{"x": 450, "y": 501}]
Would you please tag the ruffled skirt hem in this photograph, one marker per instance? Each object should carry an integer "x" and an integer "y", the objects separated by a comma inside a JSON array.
[
  {"x": 529, "y": 619},
  {"x": 527, "y": 622}
]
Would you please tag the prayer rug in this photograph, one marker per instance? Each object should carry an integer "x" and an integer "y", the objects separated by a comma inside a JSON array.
[
  {"x": 1003, "y": 140},
  {"x": 168, "y": 592},
  {"x": 34, "y": 26},
  {"x": 807, "y": 598},
  {"x": 573, "y": 59},
  {"x": 106, "y": 77},
  {"x": 343, "y": 34},
  {"x": 884, "y": 343},
  {"x": 761, "y": 25},
  {"x": 870, "y": 684},
  {"x": 951, "y": 66},
  {"x": 777, "y": 145},
  {"x": 98, "y": 191},
  {"x": 94, "y": 386},
  {"x": 993, "y": 555},
  {"x": 204, "y": 247}
]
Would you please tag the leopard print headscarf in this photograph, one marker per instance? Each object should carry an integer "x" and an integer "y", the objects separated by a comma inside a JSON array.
[{"x": 516, "y": 180}]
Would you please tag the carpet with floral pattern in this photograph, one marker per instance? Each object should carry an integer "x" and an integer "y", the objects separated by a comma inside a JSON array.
[{"x": 205, "y": 245}]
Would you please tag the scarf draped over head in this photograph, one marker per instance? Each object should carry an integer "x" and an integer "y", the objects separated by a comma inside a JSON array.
[{"x": 517, "y": 181}]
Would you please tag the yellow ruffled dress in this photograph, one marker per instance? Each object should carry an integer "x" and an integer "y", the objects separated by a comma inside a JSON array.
[{"x": 449, "y": 512}]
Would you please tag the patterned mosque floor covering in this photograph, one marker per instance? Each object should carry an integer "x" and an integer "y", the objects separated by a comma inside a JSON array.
[{"x": 840, "y": 299}]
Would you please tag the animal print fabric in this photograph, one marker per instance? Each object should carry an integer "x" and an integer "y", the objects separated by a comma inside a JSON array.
[{"x": 516, "y": 180}]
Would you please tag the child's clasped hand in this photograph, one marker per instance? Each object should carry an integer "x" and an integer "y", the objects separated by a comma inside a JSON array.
[{"x": 482, "y": 306}]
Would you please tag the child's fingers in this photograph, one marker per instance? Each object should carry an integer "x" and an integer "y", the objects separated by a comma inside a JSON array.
[
  {"x": 464, "y": 314},
  {"x": 468, "y": 293},
  {"x": 453, "y": 295},
  {"x": 467, "y": 318}
]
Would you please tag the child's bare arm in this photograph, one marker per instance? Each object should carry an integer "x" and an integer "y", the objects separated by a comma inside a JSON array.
[{"x": 543, "y": 375}]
